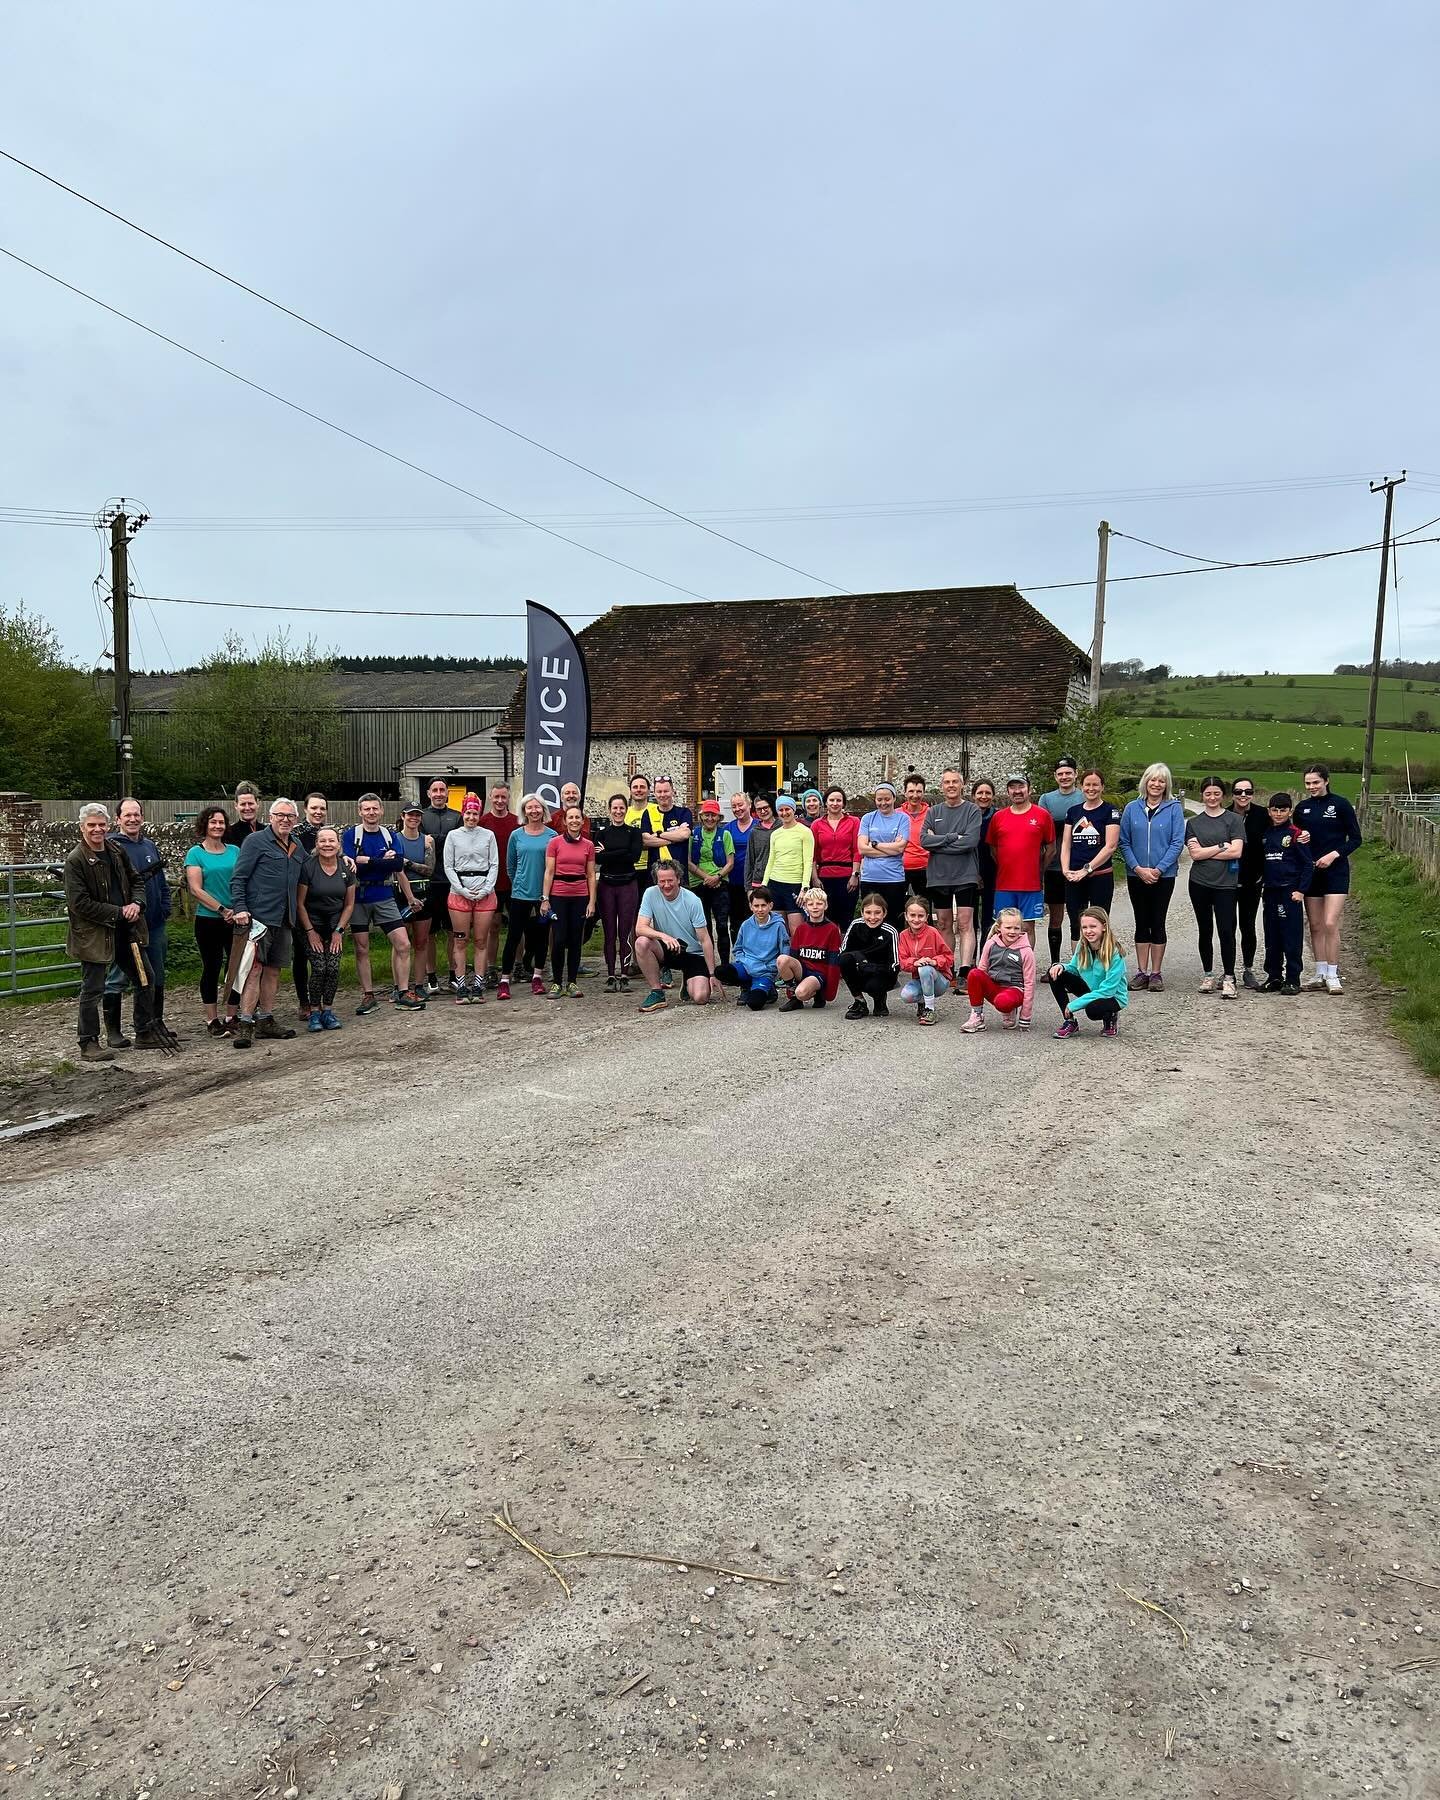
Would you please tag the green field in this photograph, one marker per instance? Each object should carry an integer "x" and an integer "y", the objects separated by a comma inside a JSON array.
[
  {"x": 1203, "y": 728},
  {"x": 1323, "y": 699}
]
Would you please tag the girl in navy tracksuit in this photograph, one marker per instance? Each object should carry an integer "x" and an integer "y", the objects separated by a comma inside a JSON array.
[{"x": 1326, "y": 824}]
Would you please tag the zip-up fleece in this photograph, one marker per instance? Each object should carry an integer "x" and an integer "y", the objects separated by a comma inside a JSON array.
[
  {"x": 1152, "y": 843},
  {"x": 1104, "y": 981},
  {"x": 927, "y": 941}
]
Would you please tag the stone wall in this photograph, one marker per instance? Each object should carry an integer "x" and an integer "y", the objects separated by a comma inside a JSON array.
[
  {"x": 611, "y": 767},
  {"x": 857, "y": 763}
]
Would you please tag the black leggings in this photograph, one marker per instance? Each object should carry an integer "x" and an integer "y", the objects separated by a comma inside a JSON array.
[
  {"x": 840, "y": 899},
  {"x": 715, "y": 904},
  {"x": 1215, "y": 906},
  {"x": 1094, "y": 890},
  {"x": 525, "y": 925},
  {"x": 1068, "y": 983},
  {"x": 1150, "y": 901},
  {"x": 324, "y": 970},
  {"x": 212, "y": 940},
  {"x": 567, "y": 934},
  {"x": 863, "y": 977},
  {"x": 1248, "y": 904}
]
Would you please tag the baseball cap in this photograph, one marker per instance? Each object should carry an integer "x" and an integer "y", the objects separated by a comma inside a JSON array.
[
  {"x": 412, "y": 806},
  {"x": 1017, "y": 775},
  {"x": 709, "y": 806},
  {"x": 1066, "y": 762}
]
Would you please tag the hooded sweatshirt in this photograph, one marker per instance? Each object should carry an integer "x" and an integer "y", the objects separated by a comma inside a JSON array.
[
  {"x": 997, "y": 959},
  {"x": 1152, "y": 841},
  {"x": 927, "y": 941},
  {"x": 952, "y": 836},
  {"x": 758, "y": 947}
]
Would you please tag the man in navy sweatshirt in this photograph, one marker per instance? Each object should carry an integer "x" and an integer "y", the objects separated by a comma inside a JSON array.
[{"x": 1288, "y": 869}]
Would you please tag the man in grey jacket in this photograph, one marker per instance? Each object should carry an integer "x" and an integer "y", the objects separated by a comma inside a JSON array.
[
  {"x": 951, "y": 832},
  {"x": 262, "y": 892}
]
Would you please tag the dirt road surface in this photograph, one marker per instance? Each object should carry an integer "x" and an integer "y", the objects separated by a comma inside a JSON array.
[{"x": 1079, "y": 1398}]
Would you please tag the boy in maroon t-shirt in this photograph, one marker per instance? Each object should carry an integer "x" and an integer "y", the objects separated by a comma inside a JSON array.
[{"x": 812, "y": 970}]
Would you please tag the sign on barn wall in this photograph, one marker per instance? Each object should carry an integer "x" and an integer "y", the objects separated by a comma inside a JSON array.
[{"x": 557, "y": 705}]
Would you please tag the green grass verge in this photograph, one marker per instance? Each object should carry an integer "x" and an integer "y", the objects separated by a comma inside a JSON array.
[
  {"x": 1232, "y": 744},
  {"x": 1318, "y": 698},
  {"x": 1398, "y": 925}
]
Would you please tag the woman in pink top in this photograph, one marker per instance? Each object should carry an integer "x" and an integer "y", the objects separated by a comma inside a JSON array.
[
  {"x": 837, "y": 857},
  {"x": 568, "y": 900}
]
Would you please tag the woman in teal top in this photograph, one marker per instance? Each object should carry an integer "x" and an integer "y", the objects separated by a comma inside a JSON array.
[
  {"x": 209, "y": 864},
  {"x": 525, "y": 865}
]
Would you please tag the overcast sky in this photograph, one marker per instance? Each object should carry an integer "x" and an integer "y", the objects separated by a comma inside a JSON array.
[{"x": 740, "y": 256}]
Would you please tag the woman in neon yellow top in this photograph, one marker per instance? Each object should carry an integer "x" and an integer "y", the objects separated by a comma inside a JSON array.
[{"x": 791, "y": 858}]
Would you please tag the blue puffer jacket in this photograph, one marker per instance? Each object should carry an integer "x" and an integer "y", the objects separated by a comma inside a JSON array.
[{"x": 1152, "y": 843}]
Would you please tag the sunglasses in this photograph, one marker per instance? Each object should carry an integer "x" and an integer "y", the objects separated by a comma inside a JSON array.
[{"x": 1242, "y": 792}]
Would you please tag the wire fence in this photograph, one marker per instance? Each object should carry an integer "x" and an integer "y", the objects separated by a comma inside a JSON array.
[{"x": 1414, "y": 834}]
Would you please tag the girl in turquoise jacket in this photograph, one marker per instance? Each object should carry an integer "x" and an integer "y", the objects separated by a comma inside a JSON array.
[{"x": 1092, "y": 984}]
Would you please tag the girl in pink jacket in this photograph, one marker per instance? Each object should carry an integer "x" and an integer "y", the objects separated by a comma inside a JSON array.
[
  {"x": 925, "y": 958},
  {"x": 1004, "y": 974}
]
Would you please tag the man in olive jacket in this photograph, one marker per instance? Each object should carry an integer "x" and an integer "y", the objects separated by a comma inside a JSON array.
[{"x": 105, "y": 898}]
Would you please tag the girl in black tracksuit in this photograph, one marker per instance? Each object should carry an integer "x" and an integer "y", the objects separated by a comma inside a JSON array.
[{"x": 870, "y": 958}]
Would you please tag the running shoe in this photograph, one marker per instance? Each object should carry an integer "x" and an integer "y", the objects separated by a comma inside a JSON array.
[
  {"x": 1207, "y": 984},
  {"x": 612, "y": 985},
  {"x": 572, "y": 991},
  {"x": 1248, "y": 980},
  {"x": 537, "y": 983},
  {"x": 1271, "y": 986},
  {"x": 1010, "y": 1020},
  {"x": 328, "y": 1021},
  {"x": 882, "y": 1007},
  {"x": 432, "y": 985},
  {"x": 624, "y": 984},
  {"x": 976, "y": 1022},
  {"x": 857, "y": 1009},
  {"x": 557, "y": 990},
  {"x": 1290, "y": 987},
  {"x": 1333, "y": 983},
  {"x": 791, "y": 1004},
  {"x": 409, "y": 1000},
  {"x": 1227, "y": 988},
  {"x": 216, "y": 1028},
  {"x": 927, "y": 1016},
  {"x": 1139, "y": 981},
  {"x": 458, "y": 991},
  {"x": 1110, "y": 1029},
  {"x": 315, "y": 1024},
  {"x": 503, "y": 992},
  {"x": 1315, "y": 985},
  {"x": 476, "y": 996},
  {"x": 368, "y": 1004},
  {"x": 654, "y": 1001},
  {"x": 1068, "y": 1030},
  {"x": 1157, "y": 984}
]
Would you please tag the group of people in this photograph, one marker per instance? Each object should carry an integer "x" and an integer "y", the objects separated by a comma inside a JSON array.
[{"x": 783, "y": 899}]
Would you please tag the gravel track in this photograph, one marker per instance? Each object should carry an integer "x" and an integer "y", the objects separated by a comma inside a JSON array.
[{"x": 962, "y": 1337}]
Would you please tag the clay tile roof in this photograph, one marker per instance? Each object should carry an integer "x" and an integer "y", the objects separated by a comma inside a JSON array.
[{"x": 928, "y": 660}]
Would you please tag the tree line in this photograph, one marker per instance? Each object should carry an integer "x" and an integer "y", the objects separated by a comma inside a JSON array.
[{"x": 1402, "y": 668}]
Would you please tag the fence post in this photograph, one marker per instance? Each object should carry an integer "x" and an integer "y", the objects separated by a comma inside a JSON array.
[{"x": 14, "y": 935}]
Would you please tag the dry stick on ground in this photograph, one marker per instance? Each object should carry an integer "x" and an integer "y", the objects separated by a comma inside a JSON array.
[
  {"x": 538, "y": 1554},
  {"x": 1414, "y": 1580},
  {"x": 264, "y": 1691},
  {"x": 625, "y": 1686},
  {"x": 1169, "y": 1750},
  {"x": 551, "y": 1557},
  {"x": 1150, "y": 1606}
]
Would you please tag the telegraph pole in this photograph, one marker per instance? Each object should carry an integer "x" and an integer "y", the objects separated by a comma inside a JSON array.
[
  {"x": 1367, "y": 768},
  {"x": 1097, "y": 643},
  {"x": 120, "y": 609},
  {"x": 123, "y": 526}
]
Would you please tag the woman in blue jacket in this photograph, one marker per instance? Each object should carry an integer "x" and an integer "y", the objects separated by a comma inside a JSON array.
[{"x": 1152, "y": 835}]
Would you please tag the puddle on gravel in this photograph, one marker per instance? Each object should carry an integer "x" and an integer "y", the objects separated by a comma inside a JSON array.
[{"x": 35, "y": 1127}]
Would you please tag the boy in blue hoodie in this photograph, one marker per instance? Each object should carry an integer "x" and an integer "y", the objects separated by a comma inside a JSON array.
[
  {"x": 759, "y": 944},
  {"x": 1289, "y": 867}
]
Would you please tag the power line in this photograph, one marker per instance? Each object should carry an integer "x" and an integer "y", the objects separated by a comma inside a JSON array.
[
  {"x": 354, "y": 436},
  {"x": 792, "y": 514},
  {"x": 1024, "y": 587},
  {"x": 415, "y": 380}
]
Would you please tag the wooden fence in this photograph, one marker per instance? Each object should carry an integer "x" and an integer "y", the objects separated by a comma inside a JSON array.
[{"x": 1413, "y": 834}]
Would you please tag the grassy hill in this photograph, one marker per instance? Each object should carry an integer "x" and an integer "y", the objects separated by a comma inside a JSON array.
[{"x": 1272, "y": 725}]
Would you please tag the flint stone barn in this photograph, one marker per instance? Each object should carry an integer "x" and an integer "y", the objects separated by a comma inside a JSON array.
[{"x": 854, "y": 689}]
